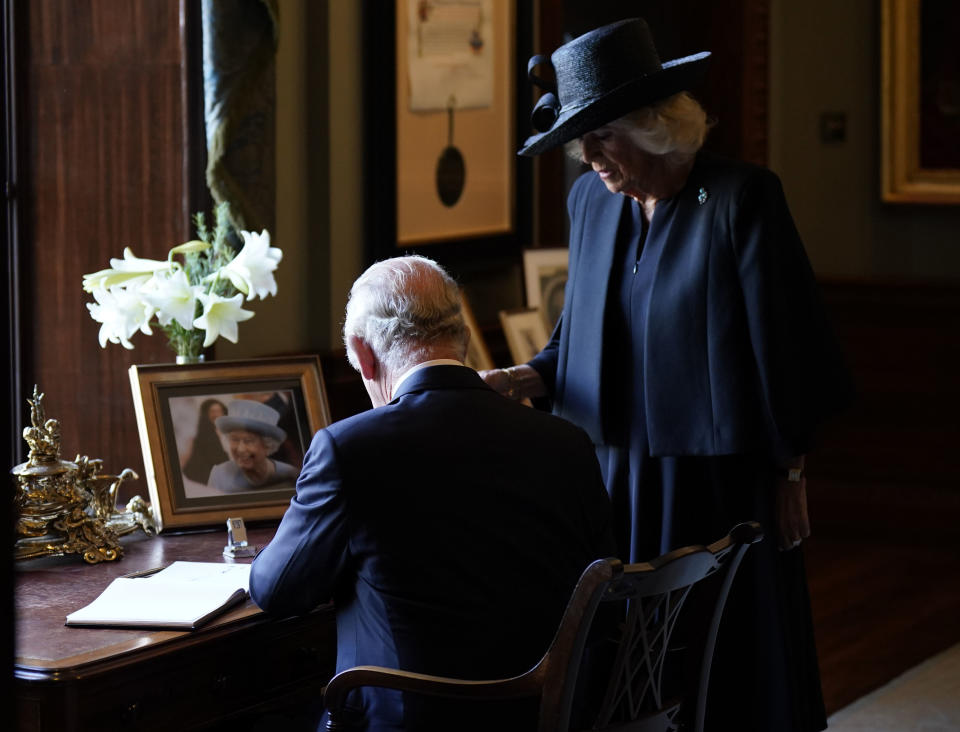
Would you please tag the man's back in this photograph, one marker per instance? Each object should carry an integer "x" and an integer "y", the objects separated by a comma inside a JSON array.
[{"x": 450, "y": 526}]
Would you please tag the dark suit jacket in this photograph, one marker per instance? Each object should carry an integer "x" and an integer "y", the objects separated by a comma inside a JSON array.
[
  {"x": 738, "y": 354},
  {"x": 449, "y": 526}
]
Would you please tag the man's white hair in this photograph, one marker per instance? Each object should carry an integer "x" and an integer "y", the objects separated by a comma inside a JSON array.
[{"x": 403, "y": 308}]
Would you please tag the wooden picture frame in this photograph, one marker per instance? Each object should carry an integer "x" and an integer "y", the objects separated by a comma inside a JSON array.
[
  {"x": 525, "y": 331},
  {"x": 404, "y": 146},
  {"x": 920, "y": 157},
  {"x": 545, "y": 276},
  {"x": 175, "y": 405},
  {"x": 478, "y": 355}
]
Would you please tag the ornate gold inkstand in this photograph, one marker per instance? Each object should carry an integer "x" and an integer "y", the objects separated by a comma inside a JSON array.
[{"x": 70, "y": 508}]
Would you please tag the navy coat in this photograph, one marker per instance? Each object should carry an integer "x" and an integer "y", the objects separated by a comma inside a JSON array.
[
  {"x": 739, "y": 356},
  {"x": 449, "y": 527}
]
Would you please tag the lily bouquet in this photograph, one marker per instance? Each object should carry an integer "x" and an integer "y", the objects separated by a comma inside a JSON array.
[{"x": 194, "y": 296}]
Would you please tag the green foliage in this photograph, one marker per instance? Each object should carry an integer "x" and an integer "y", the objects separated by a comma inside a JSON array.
[{"x": 198, "y": 265}]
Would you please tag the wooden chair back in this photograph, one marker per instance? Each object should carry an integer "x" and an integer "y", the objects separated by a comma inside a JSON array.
[{"x": 657, "y": 679}]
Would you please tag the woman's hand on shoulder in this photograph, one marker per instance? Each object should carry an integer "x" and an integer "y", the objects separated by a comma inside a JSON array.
[
  {"x": 496, "y": 379},
  {"x": 516, "y": 382}
]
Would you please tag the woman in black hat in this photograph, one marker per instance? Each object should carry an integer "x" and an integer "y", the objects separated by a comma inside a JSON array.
[{"x": 693, "y": 348}]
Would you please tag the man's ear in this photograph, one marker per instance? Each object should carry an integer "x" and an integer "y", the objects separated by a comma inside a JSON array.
[{"x": 369, "y": 366}]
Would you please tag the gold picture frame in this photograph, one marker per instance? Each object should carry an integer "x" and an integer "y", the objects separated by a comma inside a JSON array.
[
  {"x": 177, "y": 404},
  {"x": 920, "y": 162},
  {"x": 525, "y": 331},
  {"x": 545, "y": 276},
  {"x": 478, "y": 355}
]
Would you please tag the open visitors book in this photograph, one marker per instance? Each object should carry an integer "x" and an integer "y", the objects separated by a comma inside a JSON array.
[{"x": 182, "y": 596}]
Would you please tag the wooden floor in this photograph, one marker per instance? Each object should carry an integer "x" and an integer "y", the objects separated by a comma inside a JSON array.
[{"x": 883, "y": 565}]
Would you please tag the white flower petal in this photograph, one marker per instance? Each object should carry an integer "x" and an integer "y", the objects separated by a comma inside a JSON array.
[
  {"x": 220, "y": 317},
  {"x": 121, "y": 313},
  {"x": 131, "y": 271},
  {"x": 107, "y": 278},
  {"x": 173, "y": 298},
  {"x": 133, "y": 263},
  {"x": 254, "y": 265}
]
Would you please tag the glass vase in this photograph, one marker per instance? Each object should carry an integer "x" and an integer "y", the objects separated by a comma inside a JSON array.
[{"x": 183, "y": 360}]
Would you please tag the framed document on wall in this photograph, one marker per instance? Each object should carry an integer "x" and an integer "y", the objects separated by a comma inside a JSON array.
[
  {"x": 454, "y": 114},
  {"x": 445, "y": 93}
]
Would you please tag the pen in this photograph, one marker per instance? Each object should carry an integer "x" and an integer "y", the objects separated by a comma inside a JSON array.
[{"x": 142, "y": 573}]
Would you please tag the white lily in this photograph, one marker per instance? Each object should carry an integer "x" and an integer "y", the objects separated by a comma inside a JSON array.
[
  {"x": 220, "y": 317},
  {"x": 251, "y": 271},
  {"x": 125, "y": 271},
  {"x": 173, "y": 298},
  {"x": 109, "y": 278},
  {"x": 133, "y": 263},
  {"x": 135, "y": 292},
  {"x": 121, "y": 313}
]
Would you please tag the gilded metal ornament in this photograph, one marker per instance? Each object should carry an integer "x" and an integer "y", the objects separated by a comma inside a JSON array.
[{"x": 67, "y": 507}]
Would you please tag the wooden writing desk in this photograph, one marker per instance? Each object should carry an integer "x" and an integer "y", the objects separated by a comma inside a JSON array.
[{"x": 240, "y": 665}]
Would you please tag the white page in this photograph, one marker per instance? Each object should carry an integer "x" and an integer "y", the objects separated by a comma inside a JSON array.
[
  {"x": 216, "y": 574},
  {"x": 178, "y": 595}
]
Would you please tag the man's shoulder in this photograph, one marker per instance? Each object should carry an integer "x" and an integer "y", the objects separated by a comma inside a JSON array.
[
  {"x": 357, "y": 423},
  {"x": 408, "y": 417},
  {"x": 561, "y": 432}
]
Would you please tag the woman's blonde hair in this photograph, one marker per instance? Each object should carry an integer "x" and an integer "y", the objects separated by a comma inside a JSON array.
[{"x": 675, "y": 127}]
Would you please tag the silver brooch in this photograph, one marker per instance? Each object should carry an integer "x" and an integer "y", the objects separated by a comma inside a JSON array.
[{"x": 702, "y": 196}]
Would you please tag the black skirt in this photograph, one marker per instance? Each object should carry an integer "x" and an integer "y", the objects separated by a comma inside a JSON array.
[{"x": 765, "y": 674}]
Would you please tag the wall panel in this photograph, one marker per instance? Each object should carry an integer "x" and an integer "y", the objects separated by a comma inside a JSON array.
[{"x": 102, "y": 156}]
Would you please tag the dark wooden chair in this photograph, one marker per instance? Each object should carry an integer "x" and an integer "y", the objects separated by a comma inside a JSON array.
[{"x": 655, "y": 681}]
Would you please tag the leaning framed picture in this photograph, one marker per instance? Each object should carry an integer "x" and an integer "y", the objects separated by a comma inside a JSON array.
[
  {"x": 226, "y": 438},
  {"x": 920, "y": 99},
  {"x": 525, "y": 331},
  {"x": 545, "y": 276},
  {"x": 478, "y": 355}
]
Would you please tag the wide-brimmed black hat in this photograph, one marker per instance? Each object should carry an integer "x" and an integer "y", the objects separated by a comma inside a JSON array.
[{"x": 601, "y": 76}]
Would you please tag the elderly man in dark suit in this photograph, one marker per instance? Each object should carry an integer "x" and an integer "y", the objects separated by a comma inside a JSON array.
[{"x": 448, "y": 524}]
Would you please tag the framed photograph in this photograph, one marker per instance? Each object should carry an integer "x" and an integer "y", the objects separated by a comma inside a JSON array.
[
  {"x": 444, "y": 101},
  {"x": 525, "y": 331},
  {"x": 920, "y": 99},
  {"x": 545, "y": 275},
  {"x": 226, "y": 438},
  {"x": 478, "y": 355}
]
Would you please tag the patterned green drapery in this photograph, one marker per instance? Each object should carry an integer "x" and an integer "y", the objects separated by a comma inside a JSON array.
[{"x": 239, "y": 69}]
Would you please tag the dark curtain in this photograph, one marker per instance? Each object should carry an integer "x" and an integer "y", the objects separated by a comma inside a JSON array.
[{"x": 239, "y": 80}]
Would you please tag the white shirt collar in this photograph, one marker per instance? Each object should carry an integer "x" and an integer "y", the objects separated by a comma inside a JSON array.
[{"x": 422, "y": 365}]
